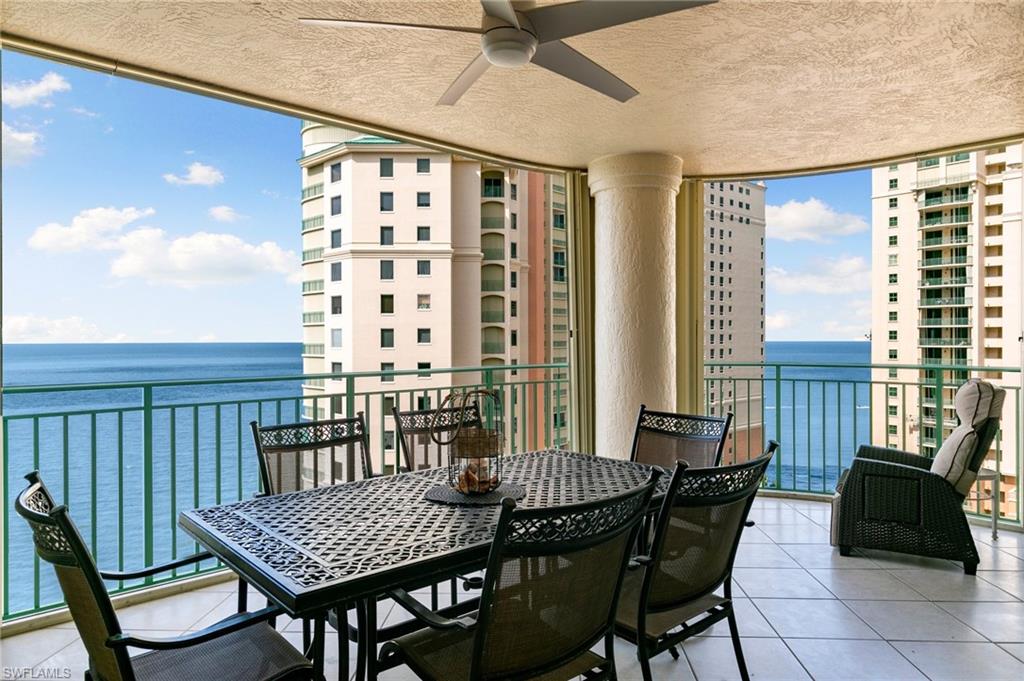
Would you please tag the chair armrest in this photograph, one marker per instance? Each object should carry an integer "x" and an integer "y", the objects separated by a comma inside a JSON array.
[
  {"x": 226, "y": 626},
  {"x": 426, "y": 615},
  {"x": 156, "y": 569},
  {"x": 893, "y": 456}
]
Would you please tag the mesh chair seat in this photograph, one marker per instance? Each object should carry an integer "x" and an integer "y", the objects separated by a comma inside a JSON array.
[
  {"x": 257, "y": 652},
  {"x": 657, "y": 623},
  {"x": 447, "y": 654}
]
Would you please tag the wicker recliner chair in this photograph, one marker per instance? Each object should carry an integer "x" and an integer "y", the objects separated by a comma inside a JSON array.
[{"x": 903, "y": 502}]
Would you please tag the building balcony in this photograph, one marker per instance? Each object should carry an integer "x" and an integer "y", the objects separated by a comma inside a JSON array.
[
  {"x": 926, "y": 342},
  {"x": 492, "y": 316},
  {"x": 312, "y": 318},
  {"x": 993, "y": 199},
  {"x": 310, "y": 224},
  {"x": 492, "y": 347},
  {"x": 492, "y": 285},
  {"x": 950, "y": 301},
  {"x": 494, "y": 253},
  {"x": 946, "y": 200},
  {"x": 492, "y": 192},
  {"x": 313, "y": 191},
  {"x": 492, "y": 223},
  {"x": 947, "y": 321},
  {"x": 946, "y": 262},
  {"x": 944, "y": 241},
  {"x": 312, "y": 255},
  {"x": 951, "y": 178},
  {"x": 313, "y": 349},
  {"x": 945, "y": 220},
  {"x": 944, "y": 281}
]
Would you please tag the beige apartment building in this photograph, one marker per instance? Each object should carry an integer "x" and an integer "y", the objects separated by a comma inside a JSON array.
[
  {"x": 946, "y": 289},
  {"x": 734, "y": 299},
  {"x": 416, "y": 260}
]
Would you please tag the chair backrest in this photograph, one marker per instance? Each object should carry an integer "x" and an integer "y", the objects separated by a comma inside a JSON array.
[
  {"x": 296, "y": 456},
  {"x": 59, "y": 543},
  {"x": 552, "y": 582},
  {"x": 698, "y": 530},
  {"x": 978, "y": 404},
  {"x": 662, "y": 438},
  {"x": 413, "y": 431}
]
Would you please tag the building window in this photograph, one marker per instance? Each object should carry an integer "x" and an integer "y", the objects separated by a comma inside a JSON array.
[
  {"x": 423, "y": 166},
  {"x": 335, "y": 271},
  {"x": 387, "y": 236},
  {"x": 424, "y": 368},
  {"x": 387, "y": 366},
  {"x": 423, "y": 401},
  {"x": 387, "y": 270},
  {"x": 893, "y": 430},
  {"x": 512, "y": 250},
  {"x": 335, "y": 238},
  {"x": 335, "y": 205},
  {"x": 335, "y": 304},
  {"x": 894, "y": 167},
  {"x": 894, "y": 221},
  {"x": 894, "y": 202},
  {"x": 387, "y": 338},
  {"x": 387, "y": 303},
  {"x": 423, "y": 268},
  {"x": 892, "y": 373},
  {"x": 893, "y": 315},
  {"x": 423, "y": 199},
  {"x": 389, "y": 404},
  {"x": 336, "y": 368},
  {"x": 893, "y": 391},
  {"x": 423, "y": 234},
  {"x": 894, "y": 183},
  {"x": 335, "y": 172},
  {"x": 387, "y": 202},
  {"x": 423, "y": 301},
  {"x": 335, "y": 338},
  {"x": 514, "y": 191},
  {"x": 893, "y": 354},
  {"x": 893, "y": 240},
  {"x": 514, "y": 338},
  {"x": 494, "y": 187},
  {"x": 893, "y": 298},
  {"x": 558, "y": 273},
  {"x": 514, "y": 308},
  {"x": 894, "y": 278},
  {"x": 513, "y": 279},
  {"x": 515, "y": 221},
  {"x": 892, "y": 261},
  {"x": 387, "y": 167},
  {"x": 892, "y": 335},
  {"x": 423, "y": 336},
  {"x": 389, "y": 439}
]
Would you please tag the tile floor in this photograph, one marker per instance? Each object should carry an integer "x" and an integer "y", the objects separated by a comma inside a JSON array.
[{"x": 804, "y": 613}]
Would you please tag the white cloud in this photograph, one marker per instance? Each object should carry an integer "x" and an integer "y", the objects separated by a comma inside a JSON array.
[
  {"x": 35, "y": 329},
  {"x": 200, "y": 258},
  {"x": 810, "y": 220},
  {"x": 30, "y": 92},
  {"x": 83, "y": 112},
  {"x": 207, "y": 338},
  {"x": 91, "y": 228},
  {"x": 19, "y": 145},
  {"x": 778, "y": 321},
  {"x": 270, "y": 193},
  {"x": 827, "y": 276},
  {"x": 198, "y": 173},
  {"x": 224, "y": 214}
]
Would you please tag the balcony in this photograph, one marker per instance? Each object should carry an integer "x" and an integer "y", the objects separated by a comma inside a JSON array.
[
  {"x": 492, "y": 285},
  {"x": 493, "y": 316},
  {"x": 315, "y": 222},
  {"x": 945, "y": 262},
  {"x": 926, "y": 342},
  {"x": 492, "y": 223},
  {"x": 944, "y": 281},
  {"x": 952, "y": 301},
  {"x": 945, "y": 220},
  {"x": 953, "y": 178},
  {"x": 946, "y": 200},
  {"x": 491, "y": 192},
  {"x": 947, "y": 321},
  {"x": 492, "y": 347},
  {"x": 494, "y": 253},
  {"x": 957, "y": 240},
  {"x": 312, "y": 318},
  {"x": 312, "y": 255},
  {"x": 313, "y": 191}
]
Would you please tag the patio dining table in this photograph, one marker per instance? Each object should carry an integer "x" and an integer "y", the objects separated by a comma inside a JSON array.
[{"x": 335, "y": 546}]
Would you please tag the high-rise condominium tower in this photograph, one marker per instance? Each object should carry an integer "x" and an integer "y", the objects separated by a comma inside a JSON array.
[
  {"x": 734, "y": 300},
  {"x": 946, "y": 289},
  {"x": 415, "y": 259}
]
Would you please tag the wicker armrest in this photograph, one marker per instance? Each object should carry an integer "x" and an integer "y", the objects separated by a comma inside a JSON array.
[
  {"x": 426, "y": 615},
  {"x": 893, "y": 456},
  {"x": 156, "y": 569},
  {"x": 223, "y": 628}
]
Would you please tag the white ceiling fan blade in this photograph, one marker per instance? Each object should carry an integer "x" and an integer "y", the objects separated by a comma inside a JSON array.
[
  {"x": 469, "y": 75},
  {"x": 358, "y": 23},
  {"x": 501, "y": 9},
  {"x": 565, "y": 61},
  {"x": 555, "y": 22}
]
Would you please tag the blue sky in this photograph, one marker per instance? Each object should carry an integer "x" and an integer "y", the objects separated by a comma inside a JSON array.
[{"x": 138, "y": 213}]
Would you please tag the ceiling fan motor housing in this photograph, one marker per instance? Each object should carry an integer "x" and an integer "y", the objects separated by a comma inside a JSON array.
[{"x": 508, "y": 46}]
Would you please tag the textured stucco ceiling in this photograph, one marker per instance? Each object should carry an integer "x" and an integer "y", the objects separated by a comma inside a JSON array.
[{"x": 740, "y": 86}]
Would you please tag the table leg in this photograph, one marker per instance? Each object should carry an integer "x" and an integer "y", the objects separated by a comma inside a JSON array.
[
  {"x": 361, "y": 640},
  {"x": 318, "y": 645},
  {"x": 371, "y": 639},
  {"x": 342, "y": 619}
]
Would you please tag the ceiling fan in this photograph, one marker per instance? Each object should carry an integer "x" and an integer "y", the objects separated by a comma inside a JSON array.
[{"x": 511, "y": 38}]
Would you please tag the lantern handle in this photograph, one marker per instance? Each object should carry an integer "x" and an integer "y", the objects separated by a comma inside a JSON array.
[{"x": 465, "y": 394}]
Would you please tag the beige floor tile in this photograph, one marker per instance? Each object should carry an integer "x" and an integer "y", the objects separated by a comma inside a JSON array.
[
  {"x": 29, "y": 649},
  {"x": 807, "y": 533},
  {"x": 798, "y": 618},
  {"x": 865, "y": 585},
  {"x": 779, "y": 583},
  {"x": 768, "y": 659},
  {"x": 916, "y": 621},
  {"x": 764, "y": 556},
  {"x": 938, "y": 585},
  {"x": 960, "y": 661},
  {"x": 998, "y": 622},
  {"x": 816, "y": 556},
  {"x": 832, "y": 660},
  {"x": 1010, "y": 582}
]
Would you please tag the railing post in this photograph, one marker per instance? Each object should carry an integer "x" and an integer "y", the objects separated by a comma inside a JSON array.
[
  {"x": 778, "y": 424},
  {"x": 147, "y": 475},
  {"x": 350, "y": 396},
  {"x": 489, "y": 385},
  {"x": 940, "y": 414}
]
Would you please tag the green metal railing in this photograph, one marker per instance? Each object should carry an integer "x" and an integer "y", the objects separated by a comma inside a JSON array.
[
  {"x": 495, "y": 192},
  {"x": 313, "y": 286},
  {"x": 312, "y": 317},
  {"x": 943, "y": 302},
  {"x": 945, "y": 281},
  {"x": 955, "y": 219},
  {"x": 820, "y": 413},
  {"x": 942, "y": 200},
  {"x": 312, "y": 191},
  {"x": 943, "y": 262},
  {"x": 944, "y": 241},
  {"x": 312, "y": 223},
  {"x": 312, "y": 255},
  {"x": 128, "y": 457}
]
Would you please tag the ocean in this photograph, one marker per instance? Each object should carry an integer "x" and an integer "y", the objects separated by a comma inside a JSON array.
[{"x": 98, "y": 467}]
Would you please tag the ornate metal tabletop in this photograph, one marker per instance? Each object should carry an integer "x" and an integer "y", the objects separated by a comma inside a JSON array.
[{"x": 312, "y": 549}]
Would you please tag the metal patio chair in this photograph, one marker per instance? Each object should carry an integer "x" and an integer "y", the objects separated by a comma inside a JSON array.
[
  {"x": 692, "y": 552},
  {"x": 662, "y": 438},
  {"x": 243, "y": 647},
  {"x": 549, "y": 596}
]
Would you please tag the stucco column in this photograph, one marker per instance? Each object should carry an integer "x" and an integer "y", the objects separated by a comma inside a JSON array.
[{"x": 634, "y": 291}]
